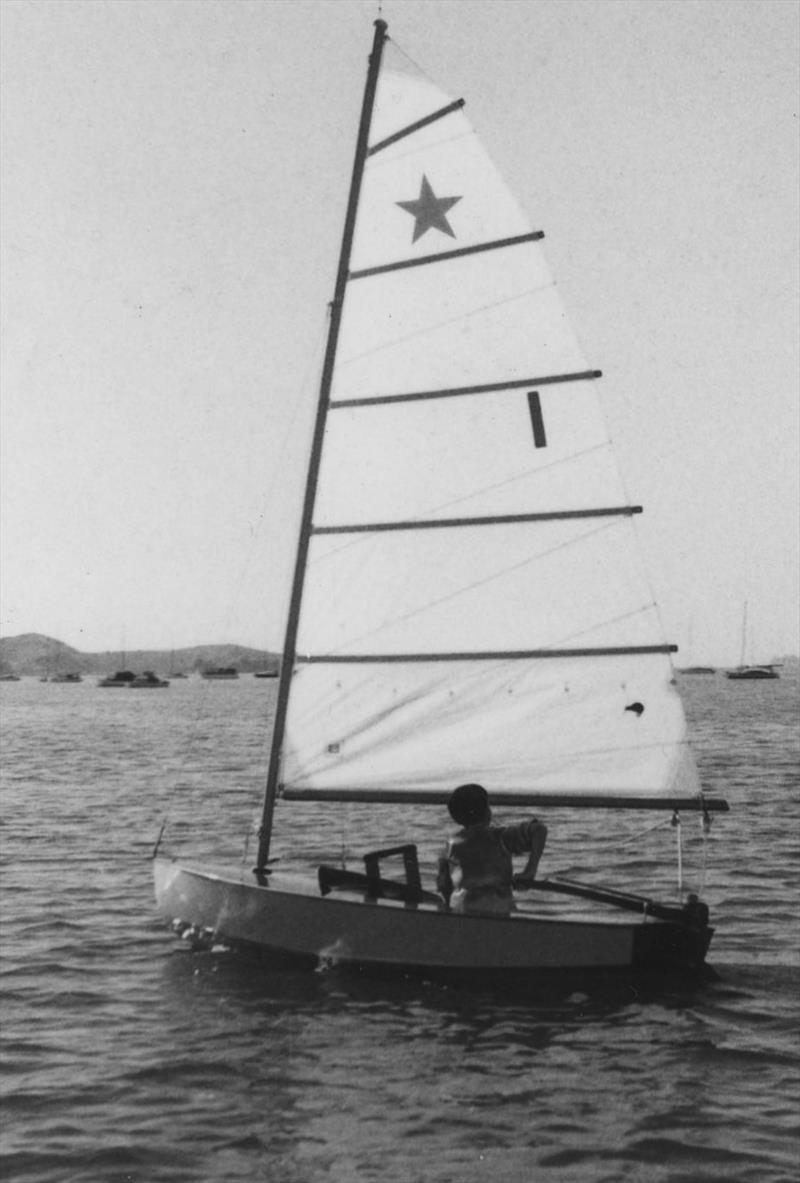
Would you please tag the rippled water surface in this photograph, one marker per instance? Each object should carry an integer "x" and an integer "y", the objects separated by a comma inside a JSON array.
[{"x": 129, "y": 1058}]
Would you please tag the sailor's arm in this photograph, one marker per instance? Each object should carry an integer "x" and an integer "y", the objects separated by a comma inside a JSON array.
[
  {"x": 529, "y": 836},
  {"x": 444, "y": 880}
]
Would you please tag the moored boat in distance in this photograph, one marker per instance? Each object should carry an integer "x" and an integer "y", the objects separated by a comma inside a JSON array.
[
  {"x": 697, "y": 669},
  {"x": 221, "y": 673},
  {"x": 64, "y": 678},
  {"x": 10, "y": 678},
  {"x": 122, "y": 678},
  {"x": 750, "y": 673},
  {"x": 423, "y": 649},
  {"x": 147, "y": 681}
]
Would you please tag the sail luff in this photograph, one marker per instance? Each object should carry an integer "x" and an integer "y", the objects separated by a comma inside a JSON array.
[{"x": 362, "y": 142}]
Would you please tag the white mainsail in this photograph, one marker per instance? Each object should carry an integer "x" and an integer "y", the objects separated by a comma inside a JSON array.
[{"x": 474, "y": 606}]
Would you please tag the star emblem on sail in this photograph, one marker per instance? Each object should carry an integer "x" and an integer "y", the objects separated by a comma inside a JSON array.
[{"x": 429, "y": 211}]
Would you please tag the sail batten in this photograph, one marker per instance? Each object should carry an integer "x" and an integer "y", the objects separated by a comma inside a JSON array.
[
  {"x": 496, "y": 520},
  {"x": 444, "y": 256},
  {"x": 418, "y": 124},
  {"x": 481, "y": 655},
  {"x": 460, "y": 391}
]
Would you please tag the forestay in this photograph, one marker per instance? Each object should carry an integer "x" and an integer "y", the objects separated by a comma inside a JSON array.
[{"x": 474, "y": 606}]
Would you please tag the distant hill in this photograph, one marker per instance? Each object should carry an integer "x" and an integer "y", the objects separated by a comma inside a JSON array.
[{"x": 37, "y": 655}]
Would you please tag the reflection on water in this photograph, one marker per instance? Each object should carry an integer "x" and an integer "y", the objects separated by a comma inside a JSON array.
[{"x": 128, "y": 1057}]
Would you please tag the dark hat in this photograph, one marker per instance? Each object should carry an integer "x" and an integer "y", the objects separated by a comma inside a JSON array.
[{"x": 468, "y": 804}]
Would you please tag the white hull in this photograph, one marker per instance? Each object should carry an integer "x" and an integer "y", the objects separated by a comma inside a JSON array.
[{"x": 289, "y": 919}]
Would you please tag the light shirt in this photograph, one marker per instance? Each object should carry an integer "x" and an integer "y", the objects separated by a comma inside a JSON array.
[{"x": 481, "y": 868}]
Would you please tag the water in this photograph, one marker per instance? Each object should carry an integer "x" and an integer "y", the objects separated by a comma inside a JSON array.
[{"x": 129, "y": 1058}]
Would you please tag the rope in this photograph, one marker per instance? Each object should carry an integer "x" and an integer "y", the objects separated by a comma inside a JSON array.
[
  {"x": 642, "y": 833},
  {"x": 676, "y": 822},
  {"x": 705, "y": 826}
]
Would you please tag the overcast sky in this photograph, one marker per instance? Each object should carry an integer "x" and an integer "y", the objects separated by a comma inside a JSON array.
[{"x": 175, "y": 177}]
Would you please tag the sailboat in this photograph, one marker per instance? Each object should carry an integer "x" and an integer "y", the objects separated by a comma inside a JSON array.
[
  {"x": 467, "y": 602},
  {"x": 750, "y": 673}
]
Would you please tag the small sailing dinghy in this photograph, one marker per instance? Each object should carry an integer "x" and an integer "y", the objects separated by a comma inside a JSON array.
[{"x": 468, "y": 603}]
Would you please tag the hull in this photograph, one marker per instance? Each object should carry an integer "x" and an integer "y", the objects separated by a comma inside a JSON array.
[
  {"x": 290, "y": 921},
  {"x": 121, "y": 678},
  {"x": 752, "y": 673}
]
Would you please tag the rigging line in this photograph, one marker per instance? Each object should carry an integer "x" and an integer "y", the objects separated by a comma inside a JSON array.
[
  {"x": 705, "y": 823},
  {"x": 676, "y": 822},
  {"x": 434, "y": 326},
  {"x": 637, "y": 837},
  {"x": 414, "y": 64},
  {"x": 478, "y": 583}
]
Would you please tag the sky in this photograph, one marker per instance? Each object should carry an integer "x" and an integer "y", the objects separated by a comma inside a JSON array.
[{"x": 175, "y": 176}]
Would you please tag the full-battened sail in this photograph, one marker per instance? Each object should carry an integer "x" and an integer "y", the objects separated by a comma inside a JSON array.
[{"x": 473, "y": 602}]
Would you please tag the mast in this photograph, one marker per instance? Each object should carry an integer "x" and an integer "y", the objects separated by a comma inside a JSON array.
[
  {"x": 744, "y": 635},
  {"x": 287, "y": 663}
]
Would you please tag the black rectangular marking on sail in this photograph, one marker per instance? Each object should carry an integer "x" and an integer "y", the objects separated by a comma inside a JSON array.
[
  {"x": 412, "y": 127},
  {"x": 537, "y": 422},
  {"x": 555, "y": 515},
  {"x": 457, "y": 391},
  {"x": 442, "y": 256},
  {"x": 479, "y": 655}
]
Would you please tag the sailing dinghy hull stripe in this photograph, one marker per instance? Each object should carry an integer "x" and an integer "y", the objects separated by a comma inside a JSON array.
[
  {"x": 514, "y": 800},
  {"x": 481, "y": 655},
  {"x": 443, "y": 256},
  {"x": 412, "y": 127},
  {"x": 498, "y": 520},
  {"x": 457, "y": 391}
]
